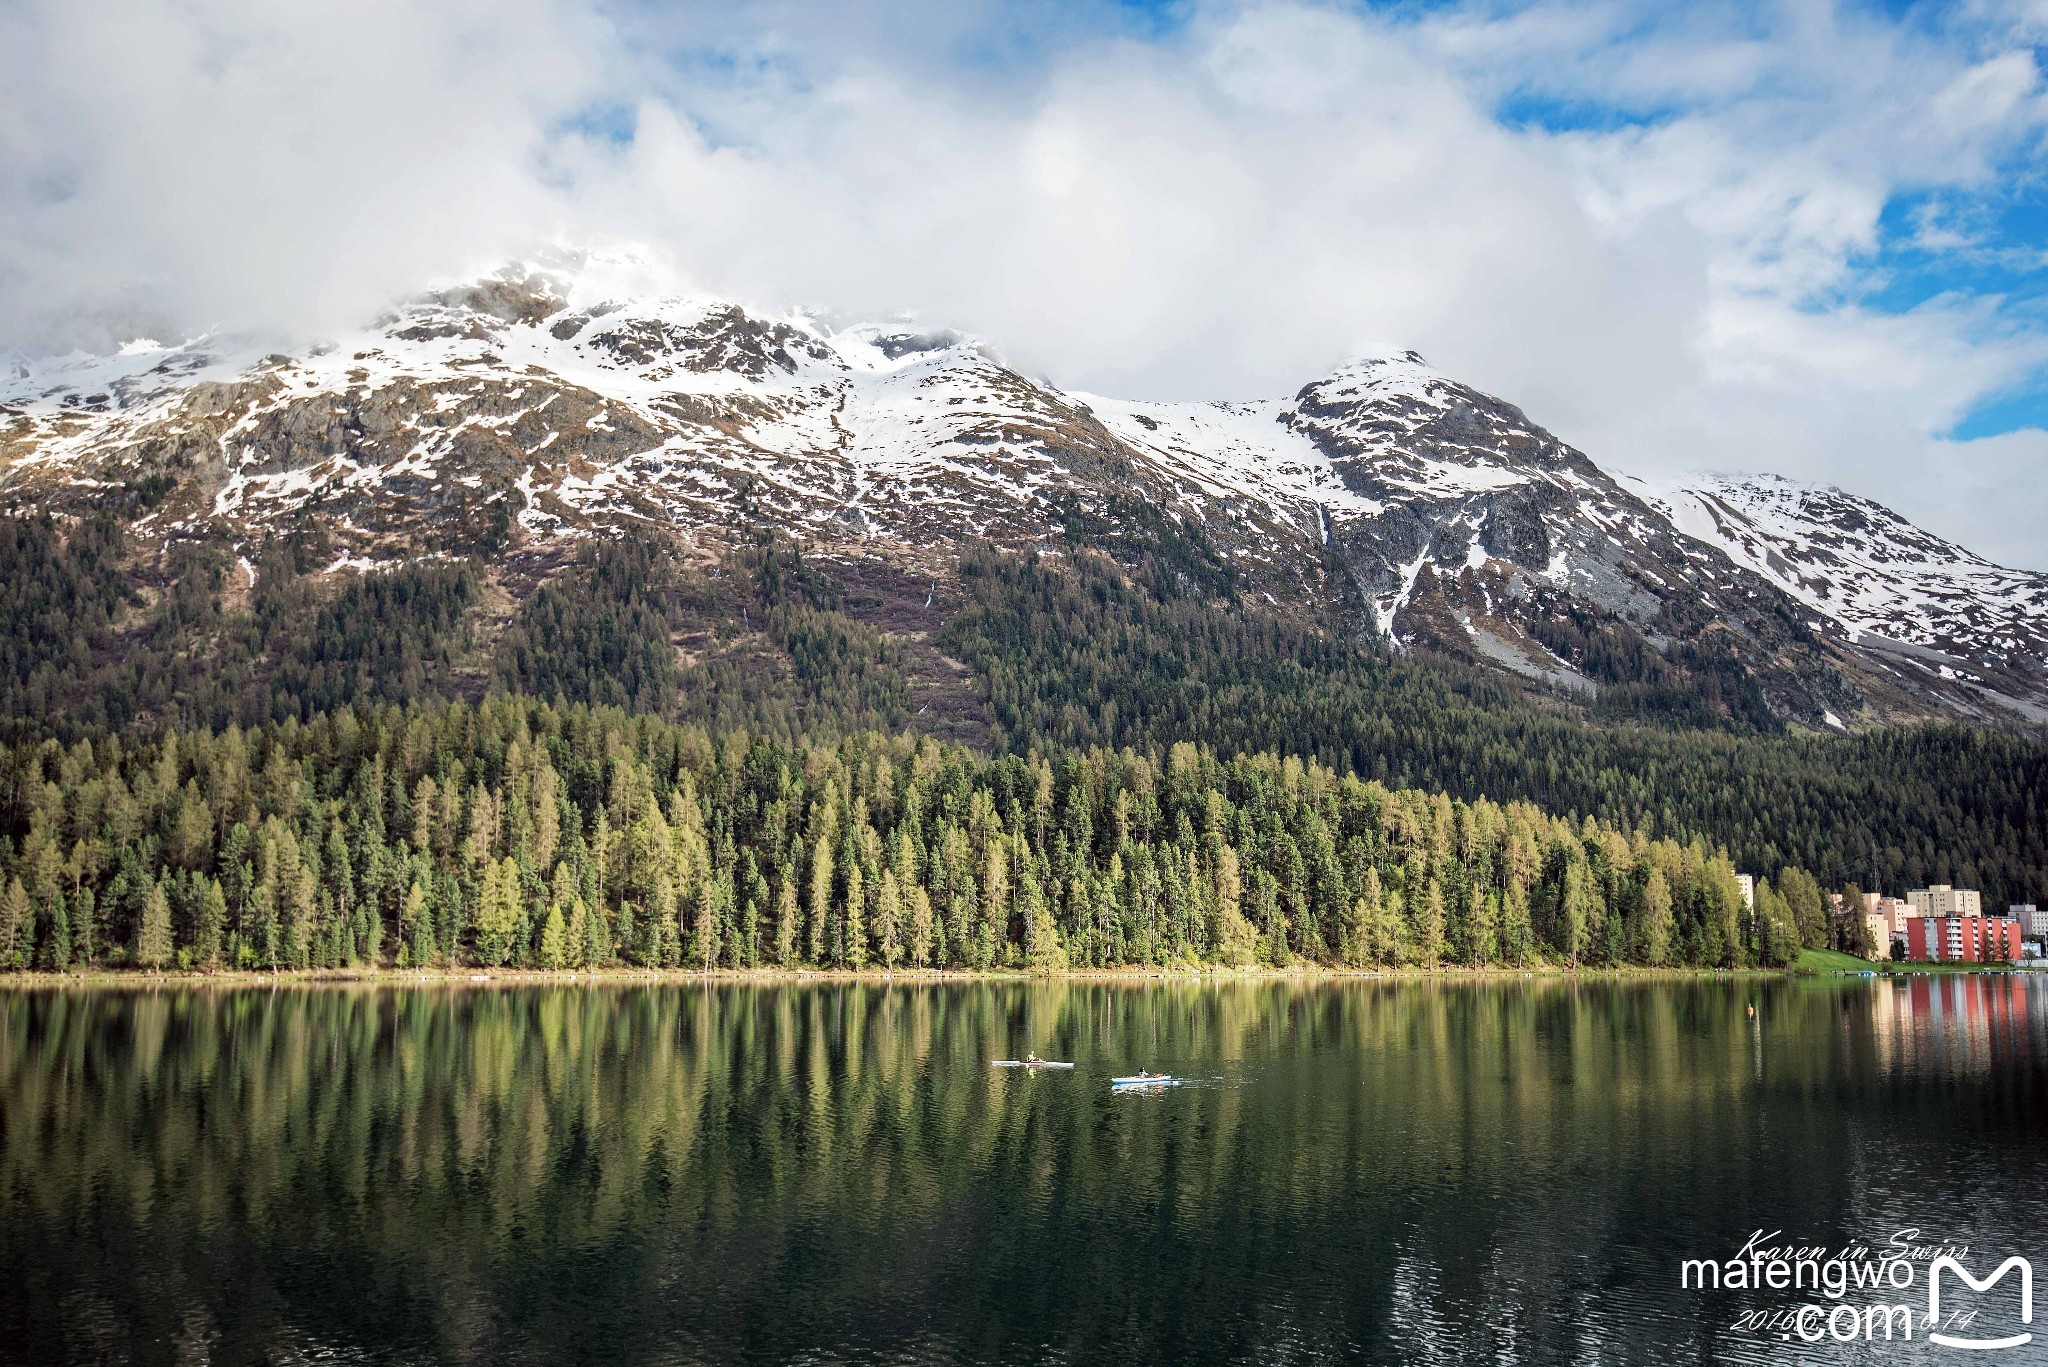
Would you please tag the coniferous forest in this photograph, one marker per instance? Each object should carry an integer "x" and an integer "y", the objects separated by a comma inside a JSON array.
[
  {"x": 520, "y": 833},
  {"x": 1086, "y": 761}
]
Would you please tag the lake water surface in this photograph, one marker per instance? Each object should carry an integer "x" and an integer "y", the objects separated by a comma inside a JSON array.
[{"x": 1509, "y": 1170}]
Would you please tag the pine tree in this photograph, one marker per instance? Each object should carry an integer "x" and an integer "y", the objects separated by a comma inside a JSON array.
[
  {"x": 854, "y": 954},
  {"x": 994, "y": 908},
  {"x": 1777, "y": 932},
  {"x": 85, "y": 938},
  {"x": 785, "y": 917},
  {"x": 1396, "y": 938},
  {"x": 1375, "y": 937},
  {"x": 302, "y": 910},
  {"x": 664, "y": 924},
  {"x": 1429, "y": 926},
  {"x": 921, "y": 929},
  {"x": 1807, "y": 907},
  {"x": 1853, "y": 926},
  {"x": 597, "y": 949},
  {"x": 576, "y": 935},
  {"x": 153, "y": 940},
  {"x": 705, "y": 938},
  {"x": 1484, "y": 924},
  {"x": 1574, "y": 910},
  {"x": 417, "y": 926},
  {"x": 625, "y": 936},
  {"x": 497, "y": 912},
  {"x": 212, "y": 921},
  {"x": 266, "y": 942},
  {"x": 1352, "y": 931},
  {"x": 57, "y": 947},
  {"x": 1724, "y": 902},
  {"x": 821, "y": 898},
  {"x": 1043, "y": 950}
]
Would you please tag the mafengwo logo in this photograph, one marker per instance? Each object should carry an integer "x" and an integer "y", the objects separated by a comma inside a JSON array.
[
  {"x": 1950, "y": 1265},
  {"x": 1860, "y": 1292}
]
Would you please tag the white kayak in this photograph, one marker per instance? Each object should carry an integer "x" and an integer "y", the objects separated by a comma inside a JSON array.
[
  {"x": 1140, "y": 1081},
  {"x": 1025, "y": 1063}
]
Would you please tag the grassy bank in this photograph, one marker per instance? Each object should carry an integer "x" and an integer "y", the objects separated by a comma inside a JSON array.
[{"x": 1832, "y": 961}]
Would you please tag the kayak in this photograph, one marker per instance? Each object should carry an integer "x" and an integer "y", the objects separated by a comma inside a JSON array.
[
  {"x": 1025, "y": 1063},
  {"x": 1140, "y": 1081}
]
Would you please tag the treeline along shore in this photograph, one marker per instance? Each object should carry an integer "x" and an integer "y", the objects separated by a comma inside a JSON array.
[{"x": 513, "y": 833}]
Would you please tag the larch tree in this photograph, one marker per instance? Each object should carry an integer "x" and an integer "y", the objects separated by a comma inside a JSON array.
[
  {"x": 1655, "y": 948},
  {"x": 153, "y": 946},
  {"x": 889, "y": 919},
  {"x": 15, "y": 926},
  {"x": 553, "y": 934},
  {"x": 1236, "y": 938}
]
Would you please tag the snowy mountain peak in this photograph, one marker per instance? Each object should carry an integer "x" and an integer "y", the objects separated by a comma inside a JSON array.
[
  {"x": 572, "y": 394},
  {"x": 1363, "y": 379}
]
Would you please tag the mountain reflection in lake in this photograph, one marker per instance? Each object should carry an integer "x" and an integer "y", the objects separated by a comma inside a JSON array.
[{"x": 1397, "y": 1171}]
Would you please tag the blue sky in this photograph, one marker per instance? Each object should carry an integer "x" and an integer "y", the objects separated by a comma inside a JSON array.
[{"x": 1801, "y": 236}]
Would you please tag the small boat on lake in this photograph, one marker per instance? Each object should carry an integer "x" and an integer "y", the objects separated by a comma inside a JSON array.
[
  {"x": 1142, "y": 1080},
  {"x": 1026, "y": 1063}
]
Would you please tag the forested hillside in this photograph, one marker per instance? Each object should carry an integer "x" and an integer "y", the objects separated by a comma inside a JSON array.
[
  {"x": 765, "y": 759},
  {"x": 1074, "y": 651},
  {"x": 519, "y": 833}
]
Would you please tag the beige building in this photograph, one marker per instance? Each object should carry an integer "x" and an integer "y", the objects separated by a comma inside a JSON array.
[
  {"x": 1893, "y": 911},
  {"x": 1943, "y": 900}
]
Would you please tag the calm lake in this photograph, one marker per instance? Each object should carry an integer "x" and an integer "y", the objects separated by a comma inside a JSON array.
[{"x": 1512, "y": 1170}]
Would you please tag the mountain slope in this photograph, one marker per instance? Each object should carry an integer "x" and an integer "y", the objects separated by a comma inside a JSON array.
[
  {"x": 1900, "y": 590},
  {"x": 541, "y": 406}
]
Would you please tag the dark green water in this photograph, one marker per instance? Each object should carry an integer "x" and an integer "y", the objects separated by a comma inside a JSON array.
[{"x": 1395, "y": 1172}]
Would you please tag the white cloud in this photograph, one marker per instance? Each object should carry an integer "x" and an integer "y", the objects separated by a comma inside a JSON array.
[
  {"x": 238, "y": 160},
  {"x": 1222, "y": 209}
]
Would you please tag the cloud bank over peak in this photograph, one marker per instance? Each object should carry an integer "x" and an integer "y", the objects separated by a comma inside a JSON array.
[{"x": 1689, "y": 237}]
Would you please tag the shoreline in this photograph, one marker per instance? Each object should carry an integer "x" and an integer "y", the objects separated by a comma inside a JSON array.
[{"x": 1299, "y": 973}]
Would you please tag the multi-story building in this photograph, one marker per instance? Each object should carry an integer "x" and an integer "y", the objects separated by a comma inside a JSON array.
[
  {"x": 1886, "y": 917},
  {"x": 2033, "y": 921},
  {"x": 1747, "y": 882},
  {"x": 1963, "y": 939},
  {"x": 1943, "y": 900}
]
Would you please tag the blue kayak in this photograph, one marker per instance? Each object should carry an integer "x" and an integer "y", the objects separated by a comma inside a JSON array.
[{"x": 1151, "y": 1081}]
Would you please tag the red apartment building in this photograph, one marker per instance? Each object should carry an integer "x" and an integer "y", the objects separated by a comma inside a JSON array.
[{"x": 1963, "y": 939}]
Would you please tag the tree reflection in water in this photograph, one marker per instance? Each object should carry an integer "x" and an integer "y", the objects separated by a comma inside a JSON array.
[{"x": 665, "y": 1172}]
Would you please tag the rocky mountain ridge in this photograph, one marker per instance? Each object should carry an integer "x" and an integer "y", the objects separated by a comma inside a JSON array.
[{"x": 540, "y": 406}]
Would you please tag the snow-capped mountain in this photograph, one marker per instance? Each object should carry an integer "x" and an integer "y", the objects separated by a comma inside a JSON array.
[
  {"x": 543, "y": 404},
  {"x": 1893, "y": 586}
]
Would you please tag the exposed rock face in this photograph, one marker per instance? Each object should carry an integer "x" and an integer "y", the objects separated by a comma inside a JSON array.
[
  {"x": 532, "y": 407},
  {"x": 1902, "y": 593}
]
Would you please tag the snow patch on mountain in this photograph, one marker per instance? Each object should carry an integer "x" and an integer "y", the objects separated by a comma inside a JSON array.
[
  {"x": 1861, "y": 565},
  {"x": 1234, "y": 450}
]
